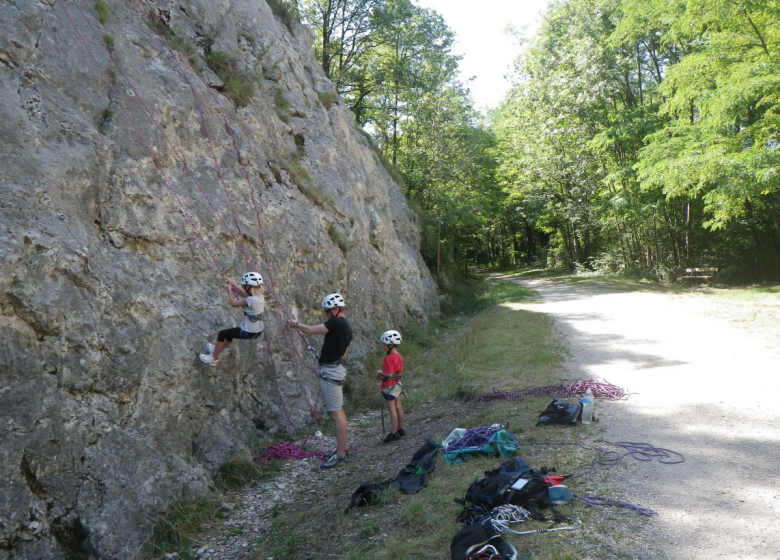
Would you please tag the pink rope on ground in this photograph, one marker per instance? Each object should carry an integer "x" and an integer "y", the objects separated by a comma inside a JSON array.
[
  {"x": 601, "y": 390},
  {"x": 287, "y": 451}
]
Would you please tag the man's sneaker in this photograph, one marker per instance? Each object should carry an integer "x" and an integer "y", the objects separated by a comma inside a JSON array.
[
  {"x": 328, "y": 454},
  {"x": 209, "y": 348},
  {"x": 334, "y": 461},
  {"x": 401, "y": 432},
  {"x": 392, "y": 436},
  {"x": 208, "y": 359}
]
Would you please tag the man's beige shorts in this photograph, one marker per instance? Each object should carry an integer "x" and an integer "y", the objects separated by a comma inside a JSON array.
[{"x": 331, "y": 379}]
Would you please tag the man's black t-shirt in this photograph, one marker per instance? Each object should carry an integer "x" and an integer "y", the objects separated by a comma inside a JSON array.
[{"x": 336, "y": 341}]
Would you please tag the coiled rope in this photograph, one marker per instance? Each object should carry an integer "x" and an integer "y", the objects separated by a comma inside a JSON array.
[
  {"x": 600, "y": 389},
  {"x": 644, "y": 452}
]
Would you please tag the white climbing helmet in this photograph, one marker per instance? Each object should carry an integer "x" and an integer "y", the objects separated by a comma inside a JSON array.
[
  {"x": 252, "y": 279},
  {"x": 333, "y": 300},
  {"x": 390, "y": 338}
]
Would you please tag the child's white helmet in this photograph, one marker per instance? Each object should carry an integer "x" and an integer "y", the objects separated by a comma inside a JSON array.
[
  {"x": 333, "y": 300},
  {"x": 252, "y": 279},
  {"x": 391, "y": 338}
]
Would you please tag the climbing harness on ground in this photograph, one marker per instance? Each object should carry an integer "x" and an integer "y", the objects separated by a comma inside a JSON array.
[
  {"x": 237, "y": 236},
  {"x": 600, "y": 389}
]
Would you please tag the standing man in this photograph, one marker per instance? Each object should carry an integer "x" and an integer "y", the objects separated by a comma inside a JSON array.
[{"x": 332, "y": 373}]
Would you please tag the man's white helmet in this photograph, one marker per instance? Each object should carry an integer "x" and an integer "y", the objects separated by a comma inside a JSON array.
[
  {"x": 252, "y": 279},
  {"x": 332, "y": 301},
  {"x": 391, "y": 338}
]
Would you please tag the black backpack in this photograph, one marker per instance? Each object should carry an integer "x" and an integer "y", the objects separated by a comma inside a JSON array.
[
  {"x": 473, "y": 538},
  {"x": 495, "y": 488},
  {"x": 560, "y": 412},
  {"x": 367, "y": 494}
]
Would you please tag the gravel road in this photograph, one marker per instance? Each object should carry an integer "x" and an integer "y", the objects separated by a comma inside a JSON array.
[{"x": 703, "y": 385}]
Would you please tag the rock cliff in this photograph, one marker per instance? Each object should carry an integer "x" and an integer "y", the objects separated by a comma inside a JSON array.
[{"x": 115, "y": 225}]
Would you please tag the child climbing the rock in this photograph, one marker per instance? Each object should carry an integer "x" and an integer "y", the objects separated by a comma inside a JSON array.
[
  {"x": 392, "y": 367},
  {"x": 250, "y": 297}
]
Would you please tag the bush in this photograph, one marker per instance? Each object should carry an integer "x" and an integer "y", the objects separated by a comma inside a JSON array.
[
  {"x": 285, "y": 10},
  {"x": 102, "y": 11},
  {"x": 238, "y": 87},
  {"x": 327, "y": 99}
]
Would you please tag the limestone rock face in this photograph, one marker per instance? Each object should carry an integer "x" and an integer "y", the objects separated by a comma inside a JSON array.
[{"x": 112, "y": 249}]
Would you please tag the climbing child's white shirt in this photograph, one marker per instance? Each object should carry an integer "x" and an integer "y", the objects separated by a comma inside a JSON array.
[{"x": 253, "y": 315}]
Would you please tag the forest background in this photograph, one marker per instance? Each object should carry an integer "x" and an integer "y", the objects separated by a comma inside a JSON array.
[{"x": 639, "y": 137}]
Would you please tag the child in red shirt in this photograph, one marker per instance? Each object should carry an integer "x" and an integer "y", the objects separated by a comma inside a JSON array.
[{"x": 392, "y": 367}]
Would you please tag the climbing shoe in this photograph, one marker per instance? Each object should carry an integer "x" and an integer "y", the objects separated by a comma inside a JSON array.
[
  {"x": 334, "y": 461},
  {"x": 392, "y": 436},
  {"x": 208, "y": 359},
  {"x": 401, "y": 432},
  {"x": 209, "y": 348}
]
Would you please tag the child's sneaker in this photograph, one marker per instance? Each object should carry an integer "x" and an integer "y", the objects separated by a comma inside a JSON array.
[
  {"x": 401, "y": 432},
  {"x": 334, "y": 461},
  {"x": 208, "y": 359},
  {"x": 392, "y": 436},
  {"x": 209, "y": 348}
]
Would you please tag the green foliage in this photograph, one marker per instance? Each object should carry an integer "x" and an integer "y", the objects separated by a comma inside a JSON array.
[
  {"x": 643, "y": 137},
  {"x": 238, "y": 87},
  {"x": 175, "y": 529},
  {"x": 240, "y": 470},
  {"x": 327, "y": 99},
  {"x": 341, "y": 240},
  {"x": 286, "y": 10},
  {"x": 102, "y": 9},
  {"x": 109, "y": 41}
]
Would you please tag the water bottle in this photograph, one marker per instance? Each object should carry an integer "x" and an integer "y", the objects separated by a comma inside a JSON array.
[{"x": 587, "y": 407}]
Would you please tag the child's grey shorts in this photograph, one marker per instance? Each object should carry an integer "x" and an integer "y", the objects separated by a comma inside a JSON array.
[
  {"x": 392, "y": 392},
  {"x": 331, "y": 379}
]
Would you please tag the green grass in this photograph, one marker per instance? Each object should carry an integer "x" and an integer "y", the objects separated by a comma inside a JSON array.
[
  {"x": 327, "y": 99},
  {"x": 109, "y": 41},
  {"x": 101, "y": 7},
  {"x": 284, "y": 10},
  {"x": 341, "y": 240},
  {"x": 238, "y": 87},
  {"x": 240, "y": 470},
  {"x": 181, "y": 523}
]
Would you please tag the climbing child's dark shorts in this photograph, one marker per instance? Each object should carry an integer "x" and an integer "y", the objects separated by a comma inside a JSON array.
[{"x": 230, "y": 334}]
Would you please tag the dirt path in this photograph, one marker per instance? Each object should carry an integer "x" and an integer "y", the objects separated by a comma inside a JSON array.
[{"x": 706, "y": 387}]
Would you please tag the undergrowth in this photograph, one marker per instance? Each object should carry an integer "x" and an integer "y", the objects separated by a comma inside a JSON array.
[{"x": 238, "y": 86}]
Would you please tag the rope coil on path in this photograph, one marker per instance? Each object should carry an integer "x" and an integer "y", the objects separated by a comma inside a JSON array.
[
  {"x": 180, "y": 158},
  {"x": 644, "y": 452},
  {"x": 601, "y": 390}
]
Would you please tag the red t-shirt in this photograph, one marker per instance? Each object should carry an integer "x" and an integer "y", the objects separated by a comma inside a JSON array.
[{"x": 393, "y": 363}]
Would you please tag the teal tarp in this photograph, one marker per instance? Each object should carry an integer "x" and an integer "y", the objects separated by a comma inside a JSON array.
[{"x": 500, "y": 443}]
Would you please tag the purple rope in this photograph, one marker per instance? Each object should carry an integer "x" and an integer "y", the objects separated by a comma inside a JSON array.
[
  {"x": 287, "y": 451},
  {"x": 600, "y": 389},
  {"x": 475, "y": 438},
  {"x": 594, "y": 501},
  {"x": 607, "y": 457}
]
